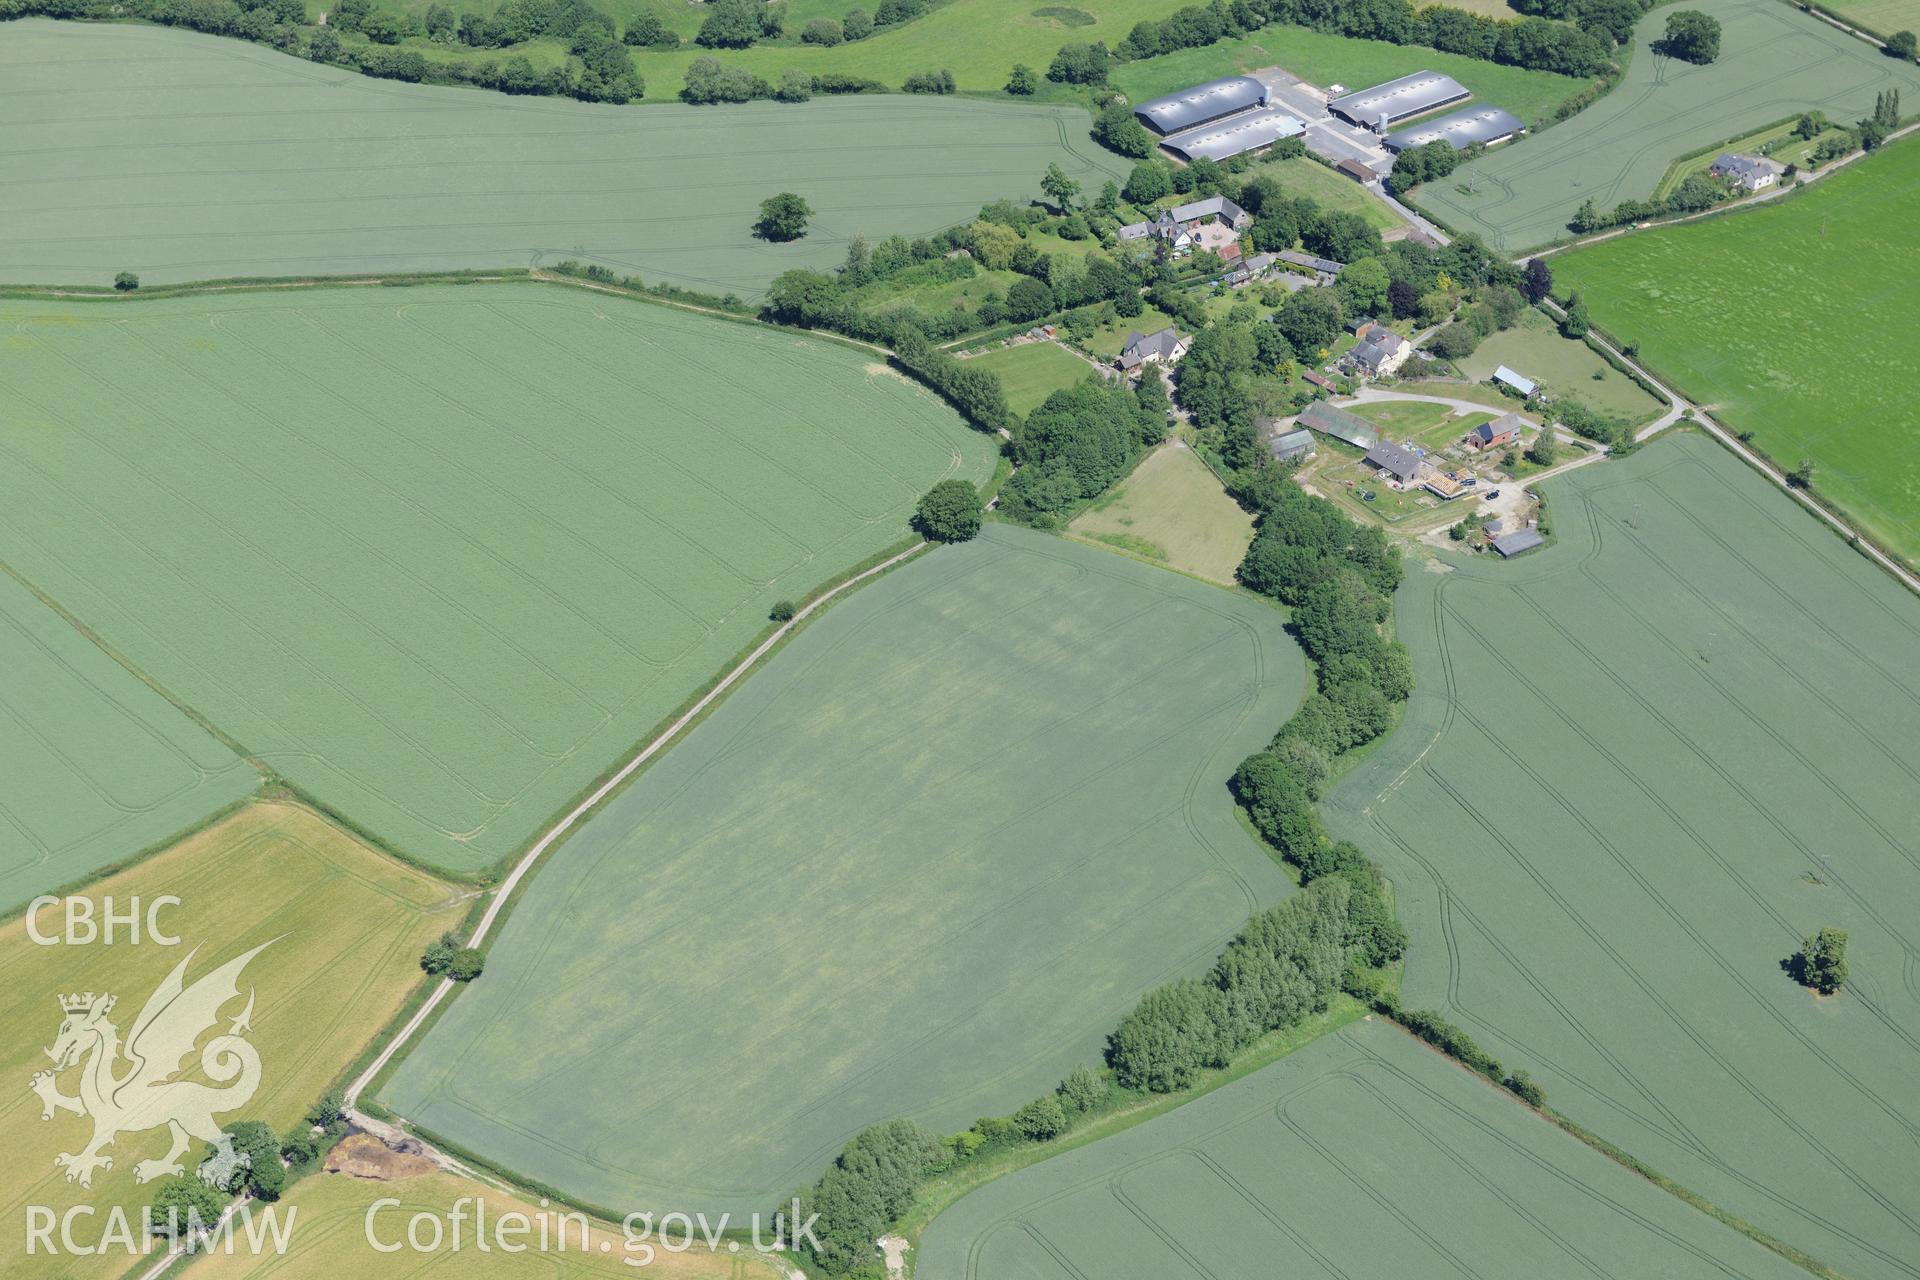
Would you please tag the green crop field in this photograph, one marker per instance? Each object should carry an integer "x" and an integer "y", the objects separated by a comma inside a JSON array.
[
  {"x": 183, "y": 157},
  {"x": 1323, "y": 59},
  {"x": 1172, "y": 509},
  {"x": 332, "y": 1240},
  {"x": 1775, "y": 61},
  {"x": 440, "y": 555},
  {"x": 1563, "y": 368},
  {"x": 1882, "y": 16},
  {"x": 1033, "y": 371},
  {"x": 1639, "y": 769},
  {"x": 94, "y": 765},
  {"x": 345, "y": 928},
  {"x": 920, "y": 865},
  {"x": 1791, "y": 322},
  {"x": 1361, "y": 1154}
]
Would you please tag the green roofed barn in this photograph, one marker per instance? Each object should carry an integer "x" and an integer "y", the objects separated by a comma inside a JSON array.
[{"x": 1338, "y": 423}]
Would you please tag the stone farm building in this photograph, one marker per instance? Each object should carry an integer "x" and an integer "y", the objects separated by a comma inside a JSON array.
[{"x": 1380, "y": 351}]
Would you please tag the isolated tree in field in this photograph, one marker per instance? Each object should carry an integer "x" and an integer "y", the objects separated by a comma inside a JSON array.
[
  {"x": 467, "y": 964},
  {"x": 1022, "y": 82},
  {"x": 1822, "y": 961},
  {"x": 1691, "y": 36},
  {"x": 1544, "y": 448},
  {"x": 1537, "y": 283},
  {"x": 1801, "y": 477},
  {"x": 126, "y": 282},
  {"x": 783, "y": 217},
  {"x": 782, "y": 611},
  {"x": 949, "y": 512},
  {"x": 1903, "y": 44},
  {"x": 1059, "y": 188}
]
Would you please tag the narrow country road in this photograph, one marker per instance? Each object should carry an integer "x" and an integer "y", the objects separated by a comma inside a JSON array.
[{"x": 503, "y": 894}]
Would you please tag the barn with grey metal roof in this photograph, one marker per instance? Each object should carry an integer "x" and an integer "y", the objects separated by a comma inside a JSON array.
[
  {"x": 1385, "y": 105},
  {"x": 1484, "y": 125},
  {"x": 1223, "y": 139},
  {"x": 1190, "y": 108},
  {"x": 1519, "y": 540}
]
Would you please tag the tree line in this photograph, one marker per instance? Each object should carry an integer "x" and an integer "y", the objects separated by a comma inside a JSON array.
[{"x": 1578, "y": 43}]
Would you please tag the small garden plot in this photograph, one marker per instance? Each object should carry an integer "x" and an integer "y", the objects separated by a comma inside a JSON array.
[
  {"x": 95, "y": 766},
  {"x": 1361, "y": 1154},
  {"x": 1032, "y": 371},
  {"x": 439, "y": 556},
  {"x": 1107, "y": 339},
  {"x": 344, "y": 929},
  {"x": 919, "y": 866},
  {"x": 1172, "y": 509},
  {"x": 1640, "y": 767}
]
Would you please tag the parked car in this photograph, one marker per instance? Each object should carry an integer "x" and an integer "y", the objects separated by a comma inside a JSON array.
[{"x": 1490, "y": 495}]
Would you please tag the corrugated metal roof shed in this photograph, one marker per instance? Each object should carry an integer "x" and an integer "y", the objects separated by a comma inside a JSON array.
[
  {"x": 1485, "y": 125},
  {"x": 1402, "y": 99},
  {"x": 1517, "y": 541},
  {"x": 1204, "y": 102},
  {"x": 1519, "y": 382},
  {"x": 1227, "y": 138},
  {"x": 1339, "y": 424}
]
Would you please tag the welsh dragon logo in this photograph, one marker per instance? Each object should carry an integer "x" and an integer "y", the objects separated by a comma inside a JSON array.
[{"x": 131, "y": 1087}]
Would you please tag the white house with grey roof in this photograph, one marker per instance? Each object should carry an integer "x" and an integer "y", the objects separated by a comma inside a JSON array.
[
  {"x": 1380, "y": 352},
  {"x": 1749, "y": 173},
  {"x": 1163, "y": 347}
]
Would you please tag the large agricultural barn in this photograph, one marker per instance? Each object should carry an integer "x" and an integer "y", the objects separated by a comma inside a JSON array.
[
  {"x": 1226, "y": 138},
  {"x": 1385, "y": 105},
  {"x": 1202, "y": 104},
  {"x": 1487, "y": 126}
]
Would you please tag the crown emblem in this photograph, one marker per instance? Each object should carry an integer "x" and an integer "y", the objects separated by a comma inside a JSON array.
[{"x": 82, "y": 1002}]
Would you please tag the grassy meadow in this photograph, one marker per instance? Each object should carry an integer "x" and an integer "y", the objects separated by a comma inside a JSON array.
[
  {"x": 346, "y": 928},
  {"x": 1790, "y": 321},
  {"x": 1563, "y": 368},
  {"x": 441, "y": 555},
  {"x": 1882, "y": 16},
  {"x": 919, "y": 865},
  {"x": 180, "y": 156},
  {"x": 1033, "y": 371},
  {"x": 1172, "y": 510},
  {"x": 1639, "y": 769},
  {"x": 331, "y": 1240},
  {"x": 94, "y": 765},
  {"x": 1362, "y": 1154},
  {"x": 1775, "y": 61}
]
